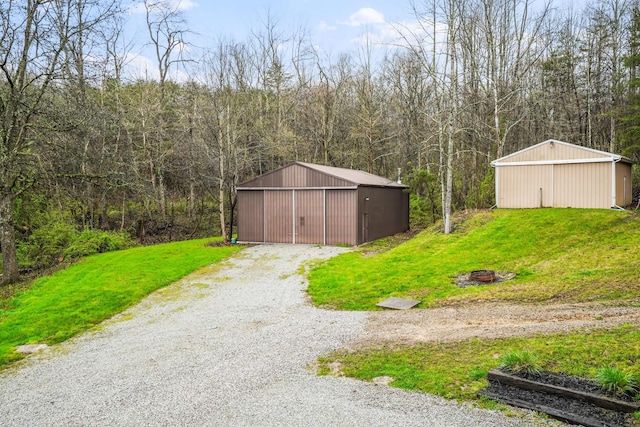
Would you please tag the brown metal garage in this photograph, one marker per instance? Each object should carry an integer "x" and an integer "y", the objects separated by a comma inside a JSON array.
[
  {"x": 558, "y": 174},
  {"x": 308, "y": 203}
]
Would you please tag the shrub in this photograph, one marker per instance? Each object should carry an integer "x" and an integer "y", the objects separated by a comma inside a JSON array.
[
  {"x": 45, "y": 245},
  {"x": 89, "y": 242},
  {"x": 56, "y": 241},
  {"x": 520, "y": 362},
  {"x": 614, "y": 381},
  {"x": 424, "y": 200}
]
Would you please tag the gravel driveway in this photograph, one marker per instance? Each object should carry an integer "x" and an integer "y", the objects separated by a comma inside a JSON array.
[{"x": 228, "y": 346}]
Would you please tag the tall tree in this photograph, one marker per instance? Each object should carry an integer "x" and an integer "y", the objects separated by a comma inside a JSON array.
[
  {"x": 368, "y": 129},
  {"x": 630, "y": 113},
  {"x": 167, "y": 29},
  {"x": 34, "y": 36},
  {"x": 502, "y": 52}
]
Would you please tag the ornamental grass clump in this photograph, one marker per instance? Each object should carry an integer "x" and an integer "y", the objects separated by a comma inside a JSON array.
[
  {"x": 614, "y": 381},
  {"x": 520, "y": 362}
]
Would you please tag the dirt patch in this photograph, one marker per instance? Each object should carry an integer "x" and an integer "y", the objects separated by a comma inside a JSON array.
[
  {"x": 488, "y": 320},
  {"x": 219, "y": 244},
  {"x": 379, "y": 246}
]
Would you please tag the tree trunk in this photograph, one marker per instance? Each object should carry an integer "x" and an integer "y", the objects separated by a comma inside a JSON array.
[
  {"x": 191, "y": 202},
  {"x": 124, "y": 211},
  {"x": 223, "y": 223},
  {"x": 10, "y": 272},
  {"x": 452, "y": 116},
  {"x": 449, "y": 182}
]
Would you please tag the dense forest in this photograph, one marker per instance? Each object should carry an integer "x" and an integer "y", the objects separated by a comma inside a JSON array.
[{"x": 85, "y": 149}]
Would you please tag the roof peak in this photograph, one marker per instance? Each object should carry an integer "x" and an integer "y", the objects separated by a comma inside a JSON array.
[
  {"x": 352, "y": 175},
  {"x": 568, "y": 144}
]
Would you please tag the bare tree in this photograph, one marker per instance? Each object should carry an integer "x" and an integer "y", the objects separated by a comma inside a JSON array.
[
  {"x": 33, "y": 39},
  {"x": 167, "y": 29},
  {"x": 503, "y": 40},
  {"x": 274, "y": 80},
  {"x": 369, "y": 126},
  {"x": 224, "y": 143},
  {"x": 436, "y": 45}
]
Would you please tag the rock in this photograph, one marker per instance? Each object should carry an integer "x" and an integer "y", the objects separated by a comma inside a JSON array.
[
  {"x": 31, "y": 348},
  {"x": 383, "y": 380}
]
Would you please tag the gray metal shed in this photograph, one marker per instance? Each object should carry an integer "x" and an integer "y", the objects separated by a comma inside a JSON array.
[{"x": 308, "y": 203}]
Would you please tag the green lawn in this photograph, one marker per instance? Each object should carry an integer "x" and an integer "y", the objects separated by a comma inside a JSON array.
[
  {"x": 559, "y": 255},
  {"x": 73, "y": 300},
  {"x": 458, "y": 370}
]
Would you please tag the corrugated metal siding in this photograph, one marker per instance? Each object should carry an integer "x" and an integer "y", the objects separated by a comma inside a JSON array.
[
  {"x": 278, "y": 216},
  {"x": 385, "y": 213},
  {"x": 582, "y": 185},
  {"x": 623, "y": 184},
  {"x": 251, "y": 216},
  {"x": 300, "y": 176},
  {"x": 341, "y": 217},
  {"x": 309, "y": 216},
  {"x": 269, "y": 180},
  {"x": 296, "y": 176},
  {"x": 554, "y": 152},
  {"x": 354, "y": 176},
  {"x": 520, "y": 186},
  {"x": 305, "y": 203}
]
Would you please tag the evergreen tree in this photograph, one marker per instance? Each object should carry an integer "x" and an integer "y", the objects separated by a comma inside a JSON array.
[{"x": 630, "y": 117}]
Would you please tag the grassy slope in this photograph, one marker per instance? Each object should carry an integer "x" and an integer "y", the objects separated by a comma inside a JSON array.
[
  {"x": 74, "y": 299},
  {"x": 558, "y": 254}
]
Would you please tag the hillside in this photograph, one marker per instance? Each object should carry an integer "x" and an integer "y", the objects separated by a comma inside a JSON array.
[
  {"x": 55, "y": 308},
  {"x": 558, "y": 255}
]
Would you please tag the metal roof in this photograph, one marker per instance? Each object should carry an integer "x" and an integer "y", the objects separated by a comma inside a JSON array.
[
  {"x": 356, "y": 177},
  {"x": 336, "y": 177},
  {"x": 605, "y": 155}
]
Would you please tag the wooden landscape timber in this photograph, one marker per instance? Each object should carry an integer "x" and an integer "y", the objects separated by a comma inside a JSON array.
[{"x": 565, "y": 403}]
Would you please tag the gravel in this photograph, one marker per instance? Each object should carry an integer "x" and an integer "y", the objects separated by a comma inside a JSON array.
[{"x": 229, "y": 345}]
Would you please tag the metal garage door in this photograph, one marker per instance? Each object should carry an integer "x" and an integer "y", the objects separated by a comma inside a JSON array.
[
  {"x": 309, "y": 216},
  {"x": 251, "y": 216},
  {"x": 278, "y": 216}
]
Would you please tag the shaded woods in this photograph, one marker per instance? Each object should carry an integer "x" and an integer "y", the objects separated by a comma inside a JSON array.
[{"x": 468, "y": 81}]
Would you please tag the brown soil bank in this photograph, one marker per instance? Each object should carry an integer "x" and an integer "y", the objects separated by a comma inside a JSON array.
[{"x": 491, "y": 320}]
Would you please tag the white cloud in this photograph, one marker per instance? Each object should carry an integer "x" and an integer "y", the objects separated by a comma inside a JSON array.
[
  {"x": 397, "y": 35},
  {"x": 402, "y": 34},
  {"x": 140, "y": 67},
  {"x": 175, "y": 5},
  {"x": 382, "y": 36},
  {"x": 323, "y": 26},
  {"x": 365, "y": 16},
  {"x": 185, "y": 4},
  {"x": 369, "y": 39},
  {"x": 419, "y": 32}
]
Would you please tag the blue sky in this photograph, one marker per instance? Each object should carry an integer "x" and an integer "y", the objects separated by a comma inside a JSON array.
[
  {"x": 332, "y": 23},
  {"x": 333, "y": 26},
  {"x": 329, "y": 21}
]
